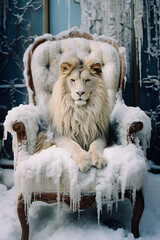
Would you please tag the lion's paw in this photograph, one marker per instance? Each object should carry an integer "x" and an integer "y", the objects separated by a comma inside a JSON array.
[
  {"x": 84, "y": 162},
  {"x": 98, "y": 160}
]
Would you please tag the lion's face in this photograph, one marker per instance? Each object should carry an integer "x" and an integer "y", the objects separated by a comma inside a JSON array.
[
  {"x": 80, "y": 81},
  {"x": 80, "y": 85}
]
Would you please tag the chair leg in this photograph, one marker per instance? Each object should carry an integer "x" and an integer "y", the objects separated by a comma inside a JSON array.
[
  {"x": 22, "y": 215},
  {"x": 137, "y": 213}
]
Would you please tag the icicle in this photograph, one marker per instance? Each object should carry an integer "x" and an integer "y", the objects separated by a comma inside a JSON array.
[
  {"x": 133, "y": 196},
  {"x": 99, "y": 205},
  {"x": 138, "y": 14},
  {"x": 139, "y": 61},
  {"x": 148, "y": 27},
  {"x": 79, "y": 212},
  {"x": 111, "y": 18},
  {"x": 58, "y": 200},
  {"x": 157, "y": 38}
]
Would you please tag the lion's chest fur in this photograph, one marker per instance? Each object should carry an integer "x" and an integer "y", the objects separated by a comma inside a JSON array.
[{"x": 83, "y": 124}]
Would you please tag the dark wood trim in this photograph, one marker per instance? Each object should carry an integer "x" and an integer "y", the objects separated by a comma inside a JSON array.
[
  {"x": 22, "y": 215},
  {"x": 137, "y": 214},
  {"x": 46, "y": 17},
  {"x": 19, "y": 128},
  {"x": 7, "y": 166}
]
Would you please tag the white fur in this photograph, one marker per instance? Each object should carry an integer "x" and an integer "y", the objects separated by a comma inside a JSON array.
[{"x": 81, "y": 124}]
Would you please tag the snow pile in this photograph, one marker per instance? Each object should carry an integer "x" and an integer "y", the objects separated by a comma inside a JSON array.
[
  {"x": 123, "y": 116},
  {"x": 44, "y": 225},
  {"x": 6, "y": 176}
]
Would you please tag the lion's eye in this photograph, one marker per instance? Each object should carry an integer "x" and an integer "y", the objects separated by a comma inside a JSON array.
[
  {"x": 87, "y": 80},
  {"x": 73, "y": 80}
]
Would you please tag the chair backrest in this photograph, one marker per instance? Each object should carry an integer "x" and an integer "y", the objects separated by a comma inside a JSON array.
[{"x": 43, "y": 57}]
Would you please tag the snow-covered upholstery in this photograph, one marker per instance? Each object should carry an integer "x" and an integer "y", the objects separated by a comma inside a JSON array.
[{"x": 53, "y": 169}]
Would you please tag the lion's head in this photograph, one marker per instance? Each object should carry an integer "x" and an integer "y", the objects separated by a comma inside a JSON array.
[
  {"x": 80, "y": 81},
  {"x": 79, "y": 106}
]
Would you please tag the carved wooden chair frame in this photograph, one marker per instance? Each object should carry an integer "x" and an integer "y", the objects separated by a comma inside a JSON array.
[{"x": 86, "y": 200}]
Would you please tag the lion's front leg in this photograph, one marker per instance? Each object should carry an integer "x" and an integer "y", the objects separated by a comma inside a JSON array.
[
  {"x": 96, "y": 150},
  {"x": 82, "y": 158}
]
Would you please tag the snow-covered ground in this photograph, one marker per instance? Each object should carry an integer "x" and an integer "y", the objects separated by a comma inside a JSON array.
[{"x": 44, "y": 223}]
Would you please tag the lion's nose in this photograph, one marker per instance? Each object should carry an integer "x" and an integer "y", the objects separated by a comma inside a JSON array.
[{"x": 80, "y": 93}]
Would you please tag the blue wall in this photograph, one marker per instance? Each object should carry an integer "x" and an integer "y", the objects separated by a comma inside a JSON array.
[
  {"x": 58, "y": 12},
  {"x": 15, "y": 37}
]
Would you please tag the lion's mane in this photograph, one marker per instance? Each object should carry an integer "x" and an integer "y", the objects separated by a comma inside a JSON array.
[{"x": 81, "y": 123}]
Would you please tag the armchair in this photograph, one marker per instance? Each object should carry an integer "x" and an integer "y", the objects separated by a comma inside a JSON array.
[{"x": 51, "y": 175}]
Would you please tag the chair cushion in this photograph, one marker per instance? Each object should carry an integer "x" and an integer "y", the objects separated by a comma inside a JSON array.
[{"x": 54, "y": 170}]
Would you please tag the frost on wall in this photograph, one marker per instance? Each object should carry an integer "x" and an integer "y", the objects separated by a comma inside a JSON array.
[
  {"x": 117, "y": 18},
  {"x": 20, "y": 22},
  {"x": 125, "y": 20},
  {"x": 150, "y": 70},
  {"x": 111, "y": 18}
]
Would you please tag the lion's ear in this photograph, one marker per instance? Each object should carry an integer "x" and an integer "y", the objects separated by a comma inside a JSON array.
[
  {"x": 95, "y": 69},
  {"x": 66, "y": 68}
]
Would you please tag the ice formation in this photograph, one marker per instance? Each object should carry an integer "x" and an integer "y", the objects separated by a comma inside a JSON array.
[
  {"x": 138, "y": 28},
  {"x": 118, "y": 19},
  {"x": 109, "y": 18}
]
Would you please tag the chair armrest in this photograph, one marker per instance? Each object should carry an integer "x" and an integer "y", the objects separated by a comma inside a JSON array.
[
  {"x": 20, "y": 129},
  {"x": 130, "y": 124},
  {"x": 23, "y": 123}
]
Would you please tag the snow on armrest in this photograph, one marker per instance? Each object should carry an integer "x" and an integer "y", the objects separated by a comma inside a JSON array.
[
  {"x": 123, "y": 117},
  {"x": 29, "y": 115}
]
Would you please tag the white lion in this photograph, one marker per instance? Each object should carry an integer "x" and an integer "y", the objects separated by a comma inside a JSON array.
[{"x": 79, "y": 112}]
